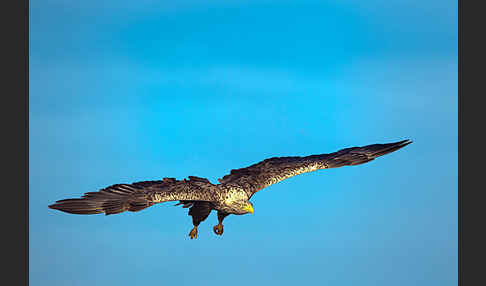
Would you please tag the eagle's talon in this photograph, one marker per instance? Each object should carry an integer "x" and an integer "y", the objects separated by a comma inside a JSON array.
[
  {"x": 218, "y": 229},
  {"x": 193, "y": 233}
]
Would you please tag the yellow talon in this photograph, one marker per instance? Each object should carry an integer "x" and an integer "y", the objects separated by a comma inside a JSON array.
[
  {"x": 218, "y": 229},
  {"x": 193, "y": 233}
]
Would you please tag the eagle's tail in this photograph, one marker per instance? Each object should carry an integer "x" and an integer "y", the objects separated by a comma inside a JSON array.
[{"x": 118, "y": 199}]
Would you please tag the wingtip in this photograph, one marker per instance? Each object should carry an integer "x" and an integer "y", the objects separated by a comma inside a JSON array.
[
  {"x": 54, "y": 206},
  {"x": 390, "y": 147},
  {"x": 401, "y": 144},
  {"x": 406, "y": 142}
]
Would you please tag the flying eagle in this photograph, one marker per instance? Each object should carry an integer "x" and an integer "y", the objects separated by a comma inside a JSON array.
[{"x": 230, "y": 196}]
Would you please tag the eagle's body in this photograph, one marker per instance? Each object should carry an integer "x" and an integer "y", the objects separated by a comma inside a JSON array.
[{"x": 230, "y": 196}]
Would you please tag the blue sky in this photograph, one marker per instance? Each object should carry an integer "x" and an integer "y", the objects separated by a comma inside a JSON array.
[{"x": 123, "y": 92}]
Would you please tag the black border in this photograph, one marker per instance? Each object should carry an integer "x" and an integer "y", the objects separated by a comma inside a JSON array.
[
  {"x": 471, "y": 193},
  {"x": 15, "y": 138}
]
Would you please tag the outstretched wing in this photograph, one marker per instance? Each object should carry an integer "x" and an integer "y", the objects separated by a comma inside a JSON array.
[
  {"x": 138, "y": 196},
  {"x": 274, "y": 170}
]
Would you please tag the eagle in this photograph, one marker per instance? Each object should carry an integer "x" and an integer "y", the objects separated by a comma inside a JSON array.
[{"x": 230, "y": 196}]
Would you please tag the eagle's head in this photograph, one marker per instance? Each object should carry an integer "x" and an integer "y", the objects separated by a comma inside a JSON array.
[{"x": 241, "y": 207}]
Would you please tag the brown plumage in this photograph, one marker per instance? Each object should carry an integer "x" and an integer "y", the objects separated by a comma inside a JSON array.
[{"x": 230, "y": 196}]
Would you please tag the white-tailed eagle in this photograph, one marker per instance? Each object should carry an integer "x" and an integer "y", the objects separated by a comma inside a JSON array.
[{"x": 230, "y": 196}]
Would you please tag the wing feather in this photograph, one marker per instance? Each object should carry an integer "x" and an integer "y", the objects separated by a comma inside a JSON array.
[
  {"x": 274, "y": 170},
  {"x": 138, "y": 196}
]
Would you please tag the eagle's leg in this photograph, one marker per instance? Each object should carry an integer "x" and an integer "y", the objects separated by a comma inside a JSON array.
[
  {"x": 193, "y": 233},
  {"x": 199, "y": 212},
  {"x": 218, "y": 229}
]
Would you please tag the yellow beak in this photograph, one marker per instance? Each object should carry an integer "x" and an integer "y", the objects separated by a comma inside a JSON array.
[{"x": 248, "y": 208}]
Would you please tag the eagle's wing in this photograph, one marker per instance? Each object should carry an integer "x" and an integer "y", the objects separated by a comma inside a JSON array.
[
  {"x": 137, "y": 196},
  {"x": 274, "y": 170}
]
